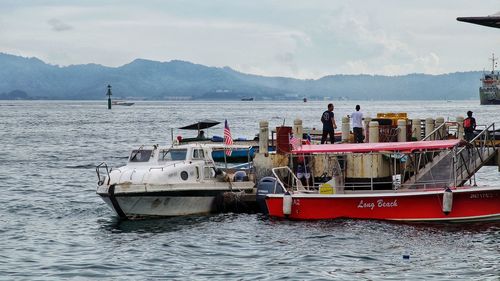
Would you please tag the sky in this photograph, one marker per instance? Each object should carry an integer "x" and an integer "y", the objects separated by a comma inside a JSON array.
[{"x": 305, "y": 39}]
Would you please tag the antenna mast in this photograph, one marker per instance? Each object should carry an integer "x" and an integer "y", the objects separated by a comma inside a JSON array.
[{"x": 493, "y": 63}]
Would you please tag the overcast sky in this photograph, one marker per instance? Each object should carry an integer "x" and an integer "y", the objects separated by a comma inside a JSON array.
[{"x": 301, "y": 39}]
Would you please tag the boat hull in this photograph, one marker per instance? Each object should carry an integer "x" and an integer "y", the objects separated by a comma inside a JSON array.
[
  {"x": 472, "y": 204},
  {"x": 488, "y": 97},
  {"x": 161, "y": 203},
  {"x": 164, "y": 206}
]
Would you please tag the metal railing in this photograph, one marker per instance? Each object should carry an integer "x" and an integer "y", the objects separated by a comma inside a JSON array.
[
  {"x": 478, "y": 151},
  {"x": 100, "y": 178},
  {"x": 287, "y": 179},
  {"x": 439, "y": 133}
]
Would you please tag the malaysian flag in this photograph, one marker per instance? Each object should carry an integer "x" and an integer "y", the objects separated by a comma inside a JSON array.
[{"x": 228, "y": 140}]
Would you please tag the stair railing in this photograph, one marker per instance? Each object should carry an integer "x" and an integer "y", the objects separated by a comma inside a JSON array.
[{"x": 474, "y": 155}]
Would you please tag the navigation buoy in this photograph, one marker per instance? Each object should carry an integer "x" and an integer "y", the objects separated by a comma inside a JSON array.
[
  {"x": 109, "y": 96},
  {"x": 287, "y": 203},
  {"x": 447, "y": 201}
]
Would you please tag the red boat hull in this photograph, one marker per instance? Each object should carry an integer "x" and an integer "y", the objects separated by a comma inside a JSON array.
[{"x": 469, "y": 204}]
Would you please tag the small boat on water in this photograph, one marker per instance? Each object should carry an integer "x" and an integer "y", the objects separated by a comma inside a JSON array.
[
  {"x": 421, "y": 181},
  {"x": 170, "y": 181},
  {"x": 247, "y": 99},
  {"x": 120, "y": 102}
]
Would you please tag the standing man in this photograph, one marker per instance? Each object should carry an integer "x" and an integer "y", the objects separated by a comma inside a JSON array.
[
  {"x": 469, "y": 126},
  {"x": 329, "y": 125},
  {"x": 357, "y": 125}
]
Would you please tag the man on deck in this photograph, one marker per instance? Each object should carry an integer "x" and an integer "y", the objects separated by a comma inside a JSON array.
[
  {"x": 329, "y": 125},
  {"x": 469, "y": 126},
  {"x": 357, "y": 125}
]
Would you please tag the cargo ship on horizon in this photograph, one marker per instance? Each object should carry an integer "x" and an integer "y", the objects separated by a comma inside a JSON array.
[{"x": 489, "y": 92}]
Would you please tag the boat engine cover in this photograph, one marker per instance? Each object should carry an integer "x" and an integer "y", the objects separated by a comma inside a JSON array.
[{"x": 266, "y": 186}]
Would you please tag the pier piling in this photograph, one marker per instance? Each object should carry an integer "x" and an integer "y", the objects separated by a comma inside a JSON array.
[
  {"x": 460, "y": 127},
  {"x": 373, "y": 131},
  {"x": 366, "y": 128},
  {"x": 297, "y": 128},
  {"x": 416, "y": 130},
  {"x": 429, "y": 127},
  {"x": 439, "y": 122},
  {"x": 264, "y": 136},
  {"x": 345, "y": 129},
  {"x": 401, "y": 130}
]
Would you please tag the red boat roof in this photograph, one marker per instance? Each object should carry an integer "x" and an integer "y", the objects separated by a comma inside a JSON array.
[{"x": 377, "y": 147}]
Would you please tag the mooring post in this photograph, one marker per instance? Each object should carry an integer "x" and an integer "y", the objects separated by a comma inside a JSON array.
[
  {"x": 373, "y": 129},
  {"x": 264, "y": 136},
  {"x": 416, "y": 130},
  {"x": 345, "y": 129},
  {"x": 109, "y": 96},
  {"x": 297, "y": 128},
  {"x": 366, "y": 128},
  {"x": 401, "y": 130},
  {"x": 460, "y": 127},
  {"x": 442, "y": 131},
  {"x": 429, "y": 127}
]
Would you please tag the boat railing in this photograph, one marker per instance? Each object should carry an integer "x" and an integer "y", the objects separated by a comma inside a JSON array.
[
  {"x": 479, "y": 150},
  {"x": 101, "y": 178},
  {"x": 395, "y": 185},
  {"x": 287, "y": 180}
]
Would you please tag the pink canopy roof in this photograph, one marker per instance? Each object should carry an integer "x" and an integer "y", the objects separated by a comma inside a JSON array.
[{"x": 377, "y": 147}]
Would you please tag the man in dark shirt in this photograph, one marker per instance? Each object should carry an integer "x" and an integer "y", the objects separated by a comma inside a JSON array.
[
  {"x": 469, "y": 126},
  {"x": 329, "y": 124}
]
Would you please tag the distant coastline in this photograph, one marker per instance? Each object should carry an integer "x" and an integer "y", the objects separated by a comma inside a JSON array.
[{"x": 32, "y": 79}]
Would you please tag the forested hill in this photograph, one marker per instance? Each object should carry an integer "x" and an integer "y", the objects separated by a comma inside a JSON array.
[{"x": 31, "y": 78}]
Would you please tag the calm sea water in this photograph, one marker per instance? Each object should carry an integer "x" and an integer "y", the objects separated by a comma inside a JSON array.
[{"x": 54, "y": 226}]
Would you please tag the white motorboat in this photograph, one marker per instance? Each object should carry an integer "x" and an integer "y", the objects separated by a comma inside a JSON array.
[{"x": 170, "y": 181}]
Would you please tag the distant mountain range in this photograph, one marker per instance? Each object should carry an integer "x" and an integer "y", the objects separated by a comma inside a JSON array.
[{"x": 31, "y": 78}]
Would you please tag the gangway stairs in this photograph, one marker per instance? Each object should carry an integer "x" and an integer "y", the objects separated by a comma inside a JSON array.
[
  {"x": 476, "y": 154},
  {"x": 453, "y": 167},
  {"x": 432, "y": 166}
]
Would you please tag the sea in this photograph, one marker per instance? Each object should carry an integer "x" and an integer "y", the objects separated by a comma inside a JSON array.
[{"x": 53, "y": 226}]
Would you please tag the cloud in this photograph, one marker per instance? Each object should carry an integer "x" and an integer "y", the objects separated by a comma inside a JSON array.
[
  {"x": 361, "y": 44},
  {"x": 58, "y": 25},
  {"x": 277, "y": 38}
]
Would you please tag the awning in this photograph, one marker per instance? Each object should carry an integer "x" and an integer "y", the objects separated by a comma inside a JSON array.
[
  {"x": 406, "y": 147},
  {"x": 200, "y": 125}
]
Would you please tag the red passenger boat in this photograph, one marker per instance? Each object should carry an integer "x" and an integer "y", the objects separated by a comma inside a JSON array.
[{"x": 403, "y": 181}]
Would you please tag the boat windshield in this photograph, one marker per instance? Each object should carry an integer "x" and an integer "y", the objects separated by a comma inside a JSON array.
[
  {"x": 173, "y": 155},
  {"x": 141, "y": 155}
]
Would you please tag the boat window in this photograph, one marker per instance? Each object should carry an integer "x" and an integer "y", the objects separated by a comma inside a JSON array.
[
  {"x": 209, "y": 172},
  {"x": 198, "y": 154},
  {"x": 173, "y": 154},
  {"x": 142, "y": 155}
]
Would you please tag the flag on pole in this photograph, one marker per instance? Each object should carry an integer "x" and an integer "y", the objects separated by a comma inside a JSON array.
[
  {"x": 228, "y": 140},
  {"x": 295, "y": 142}
]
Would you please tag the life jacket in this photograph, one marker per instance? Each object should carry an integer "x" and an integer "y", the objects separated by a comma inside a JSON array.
[{"x": 468, "y": 123}]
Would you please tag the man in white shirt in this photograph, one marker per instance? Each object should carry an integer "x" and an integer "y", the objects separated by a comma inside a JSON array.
[{"x": 357, "y": 125}]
